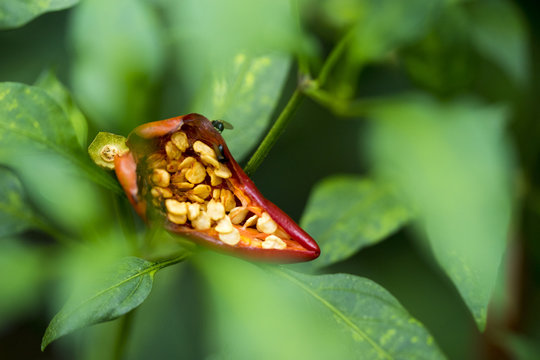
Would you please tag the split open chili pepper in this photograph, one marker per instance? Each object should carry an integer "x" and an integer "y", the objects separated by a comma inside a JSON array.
[{"x": 181, "y": 172}]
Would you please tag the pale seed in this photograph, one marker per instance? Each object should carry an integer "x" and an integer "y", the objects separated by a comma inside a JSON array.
[
  {"x": 172, "y": 151},
  {"x": 193, "y": 211},
  {"x": 201, "y": 222},
  {"x": 214, "y": 179},
  {"x": 224, "y": 225},
  {"x": 266, "y": 225},
  {"x": 196, "y": 173},
  {"x": 223, "y": 171},
  {"x": 161, "y": 177},
  {"x": 156, "y": 160},
  {"x": 273, "y": 242},
  {"x": 228, "y": 200},
  {"x": 238, "y": 214},
  {"x": 187, "y": 162},
  {"x": 215, "y": 210},
  {"x": 202, "y": 191},
  {"x": 176, "y": 207},
  {"x": 183, "y": 185},
  {"x": 177, "y": 219},
  {"x": 231, "y": 238},
  {"x": 201, "y": 148},
  {"x": 215, "y": 194},
  {"x": 251, "y": 221},
  {"x": 180, "y": 139},
  {"x": 173, "y": 166},
  {"x": 208, "y": 160},
  {"x": 194, "y": 197}
]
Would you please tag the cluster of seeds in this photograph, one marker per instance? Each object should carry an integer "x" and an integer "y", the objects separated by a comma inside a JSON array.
[{"x": 192, "y": 187}]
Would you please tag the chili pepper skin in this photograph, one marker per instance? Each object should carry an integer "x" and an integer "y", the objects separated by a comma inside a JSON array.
[{"x": 132, "y": 173}]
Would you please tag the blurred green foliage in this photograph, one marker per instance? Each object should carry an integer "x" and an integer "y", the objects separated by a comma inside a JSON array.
[{"x": 417, "y": 114}]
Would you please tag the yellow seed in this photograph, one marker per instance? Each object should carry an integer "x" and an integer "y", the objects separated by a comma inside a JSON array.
[
  {"x": 223, "y": 171},
  {"x": 183, "y": 185},
  {"x": 273, "y": 242},
  {"x": 193, "y": 211},
  {"x": 187, "y": 162},
  {"x": 228, "y": 200},
  {"x": 173, "y": 166},
  {"x": 194, "y": 197},
  {"x": 202, "y": 191},
  {"x": 196, "y": 173},
  {"x": 201, "y": 222},
  {"x": 176, "y": 207},
  {"x": 202, "y": 149},
  {"x": 224, "y": 225},
  {"x": 172, "y": 151},
  {"x": 251, "y": 221},
  {"x": 281, "y": 233},
  {"x": 231, "y": 238},
  {"x": 161, "y": 177},
  {"x": 177, "y": 219},
  {"x": 266, "y": 225},
  {"x": 161, "y": 192},
  {"x": 208, "y": 160},
  {"x": 215, "y": 194},
  {"x": 238, "y": 214},
  {"x": 180, "y": 139},
  {"x": 214, "y": 179},
  {"x": 215, "y": 210}
]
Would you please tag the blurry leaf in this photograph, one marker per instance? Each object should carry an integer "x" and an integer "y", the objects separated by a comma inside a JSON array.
[
  {"x": 122, "y": 289},
  {"x": 38, "y": 142},
  {"x": 245, "y": 94},
  {"x": 520, "y": 347},
  {"x": 367, "y": 313},
  {"x": 118, "y": 61},
  {"x": 22, "y": 270},
  {"x": 15, "y": 214},
  {"x": 498, "y": 31},
  {"x": 451, "y": 162},
  {"x": 273, "y": 313},
  {"x": 236, "y": 76},
  {"x": 15, "y": 13},
  {"x": 50, "y": 83},
  {"x": 347, "y": 213}
]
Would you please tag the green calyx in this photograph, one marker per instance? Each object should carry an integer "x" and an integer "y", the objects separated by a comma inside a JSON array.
[{"x": 105, "y": 148}]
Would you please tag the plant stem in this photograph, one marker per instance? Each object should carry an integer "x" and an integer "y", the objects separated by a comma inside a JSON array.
[
  {"x": 286, "y": 115},
  {"x": 274, "y": 133},
  {"x": 123, "y": 333}
]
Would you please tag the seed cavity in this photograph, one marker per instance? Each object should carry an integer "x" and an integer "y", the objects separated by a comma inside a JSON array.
[{"x": 266, "y": 225}]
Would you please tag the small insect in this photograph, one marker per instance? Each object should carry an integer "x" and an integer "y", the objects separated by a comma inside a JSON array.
[
  {"x": 221, "y": 125},
  {"x": 219, "y": 152}
]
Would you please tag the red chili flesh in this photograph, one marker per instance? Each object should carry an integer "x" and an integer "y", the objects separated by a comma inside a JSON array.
[{"x": 155, "y": 183}]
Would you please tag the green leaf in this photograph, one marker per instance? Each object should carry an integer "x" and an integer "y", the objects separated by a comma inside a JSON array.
[
  {"x": 15, "y": 213},
  {"x": 244, "y": 93},
  {"x": 498, "y": 31},
  {"x": 50, "y": 83},
  {"x": 119, "y": 291},
  {"x": 244, "y": 86},
  {"x": 272, "y": 313},
  {"x": 15, "y": 13},
  {"x": 347, "y": 213},
  {"x": 451, "y": 162},
  {"x": 379, "y": 326},
  {"x": 119, "y": 55}
]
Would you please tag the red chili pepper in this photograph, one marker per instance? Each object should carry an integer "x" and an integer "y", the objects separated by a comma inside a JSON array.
[{"x": 182, "y": 170}]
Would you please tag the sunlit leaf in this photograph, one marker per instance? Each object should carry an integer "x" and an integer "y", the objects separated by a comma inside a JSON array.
[
  {"x": 121, "y": 289},
  {"x": 245, "y": 94},
  {"x": 15, "y": 214},
  {"x": 118, "y": 61},
  {"x": 15, "y": 13},
  {"x": 50, "y": 83},
  {"x": 451, "y": 162},
  {"x": 498, "y": 32},
  {"x": 347, "y": 213}
]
